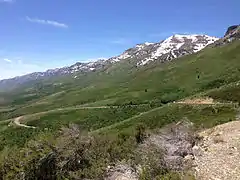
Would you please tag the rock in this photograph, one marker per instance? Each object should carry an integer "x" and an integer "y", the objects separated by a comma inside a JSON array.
[
  {"x": 232, "y": 34},
  {"x": 222, "y": 160},
  {"x": 197, "y": 151},
  {"x": 188, "y": 157},
  {"x": 231, "y": 29},
  {"x": 174, "y": 162},
  {"x": 188, "y": 161},
  {"x": 121, "y": 172}
]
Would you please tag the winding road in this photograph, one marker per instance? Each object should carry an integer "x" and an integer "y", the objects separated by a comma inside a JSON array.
[{"x": 17, "y": 121}]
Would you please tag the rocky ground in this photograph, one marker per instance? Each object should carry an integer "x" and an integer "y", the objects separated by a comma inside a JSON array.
[
  {"x": 205, "y": 100},
  {"x": 217, "y": 157},
  {"x": 121, "y": 172}
]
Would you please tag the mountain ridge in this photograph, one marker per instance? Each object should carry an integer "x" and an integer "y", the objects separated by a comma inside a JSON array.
[{"x": 166, "y": 50}]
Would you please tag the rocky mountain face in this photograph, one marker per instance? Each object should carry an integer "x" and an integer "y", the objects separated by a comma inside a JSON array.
[
  {"x": 176, "y": 46},
  {"x": 232, "y": 34},
  {"x": 169, "y": 49}
]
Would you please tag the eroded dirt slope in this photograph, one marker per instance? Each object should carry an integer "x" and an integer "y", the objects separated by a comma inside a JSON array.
[{"x": 217, "y": 157}]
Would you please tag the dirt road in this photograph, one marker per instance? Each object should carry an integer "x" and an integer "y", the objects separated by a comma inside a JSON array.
[
  {"x": 204, "y": 101},
  {"x": 17, "y": 120}
]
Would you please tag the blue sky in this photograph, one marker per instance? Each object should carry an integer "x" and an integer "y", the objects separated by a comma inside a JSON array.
[{"x": 39, "y": 34}]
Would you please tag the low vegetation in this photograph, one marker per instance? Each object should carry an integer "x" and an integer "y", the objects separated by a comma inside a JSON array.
[
  {"x": 227, "y": 94},
  {"x": 72, "y": 152},
  {"x": 96, "y": 143}
]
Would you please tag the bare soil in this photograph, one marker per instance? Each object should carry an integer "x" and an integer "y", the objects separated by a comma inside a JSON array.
[
  {"x": 197, "y": 101},
  {"x": 217, "y": 157}
]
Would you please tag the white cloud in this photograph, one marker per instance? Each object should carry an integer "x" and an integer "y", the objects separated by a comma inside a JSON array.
[
  {"x": 17, "y": 67},
  {"x": 47, "y": 22},
  {"x": 7, "y": 60},
  {"x": 6, "y": 1}
]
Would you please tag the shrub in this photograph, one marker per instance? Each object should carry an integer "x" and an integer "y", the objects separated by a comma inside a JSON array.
[
  {"x": 140, "y": 133},
  {"x": 214, "y": 84}
]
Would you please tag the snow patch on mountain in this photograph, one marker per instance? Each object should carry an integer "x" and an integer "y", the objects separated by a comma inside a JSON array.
[
  {"x": 124, "y": 56},
  {"x": 146, "y": 61},
  {"x": 177, "y": 46},
  {"x": 142, "y": 54}
]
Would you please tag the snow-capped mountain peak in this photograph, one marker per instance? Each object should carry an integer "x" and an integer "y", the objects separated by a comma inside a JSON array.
[
  {"x": 176, "y": 46},
  {"x": 173, "y": 47}
]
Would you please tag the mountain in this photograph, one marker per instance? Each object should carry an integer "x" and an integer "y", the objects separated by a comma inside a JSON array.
[
  {"x": 173, "y": 47},
  {"x": 232, "y": 34},
  {"x": 140, "y": 120},
  {"x": 142, "y": 54},
  {"x": 76, "y": 68}
]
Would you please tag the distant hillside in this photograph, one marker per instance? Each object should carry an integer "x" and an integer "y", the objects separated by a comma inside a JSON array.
[{"x": 142, "y": 54}]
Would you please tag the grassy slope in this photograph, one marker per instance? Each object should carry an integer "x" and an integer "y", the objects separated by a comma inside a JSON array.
[
  {"x": 203, "y": 116},
  {"x": 229, "y": 93},
  {"x": 209, "y": 69},
  {"x": 186, "y": 76},
  {"x": 88, "y": 119}
]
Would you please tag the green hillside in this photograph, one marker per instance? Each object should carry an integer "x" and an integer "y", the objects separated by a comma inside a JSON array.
[
  {"x": 156, "y": 83},
  {"x": 123, "y": 104}
]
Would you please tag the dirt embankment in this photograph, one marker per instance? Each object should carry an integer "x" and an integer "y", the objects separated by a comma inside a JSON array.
[{"x": 217, "y": 157}]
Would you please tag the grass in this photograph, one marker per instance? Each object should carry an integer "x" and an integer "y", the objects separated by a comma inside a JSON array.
[
  {"x": 203, "y": 116},
  {"x": 87, "y": 119},
  {"x": 229, "y": 93},
  {"x": 10, "y": 137},
  {"x": 6, "y": 113},
  {"x": 122, "y": 84},
  {"x": 113, "y": 145},
  {"x": 208, "y": 69},
  {"x": 118, "y": 120},
  {"x": 153, "y": 85},
  {"x": 3, "y": 126}
]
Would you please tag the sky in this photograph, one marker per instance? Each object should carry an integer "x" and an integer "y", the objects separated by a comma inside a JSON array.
[{"x": 36, "y": 35}]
